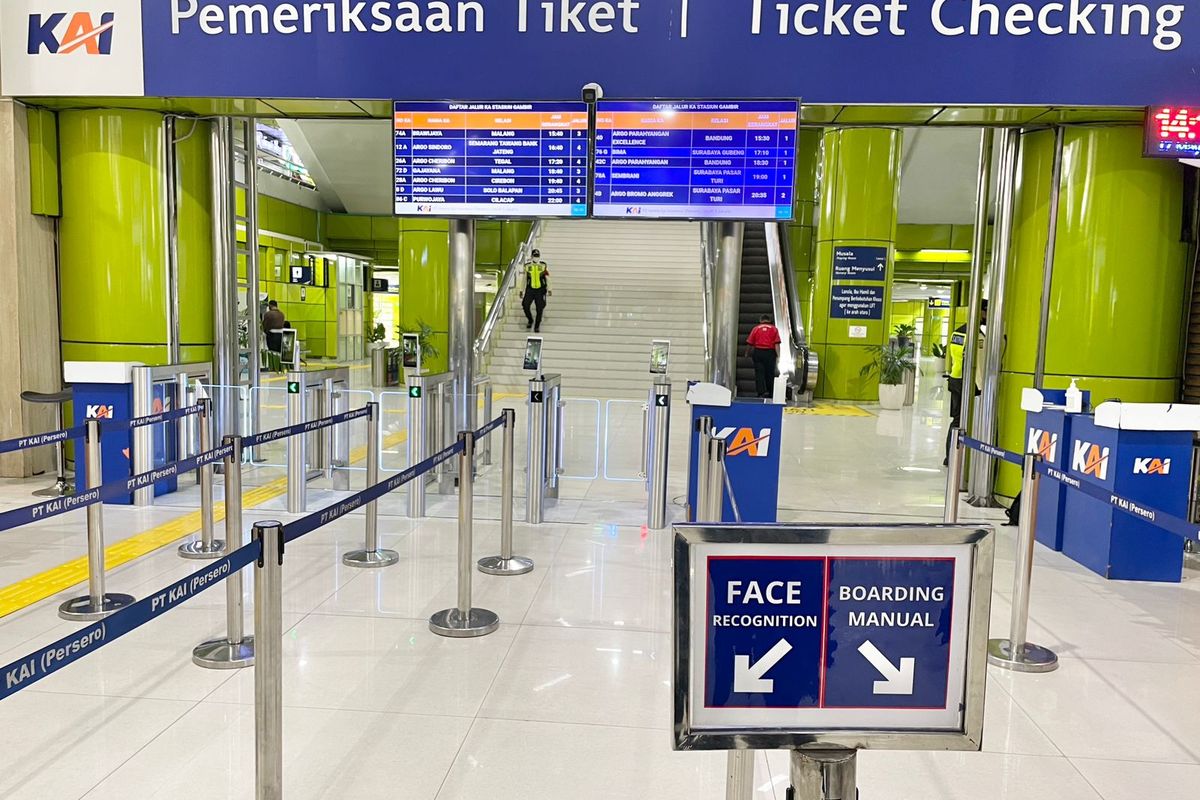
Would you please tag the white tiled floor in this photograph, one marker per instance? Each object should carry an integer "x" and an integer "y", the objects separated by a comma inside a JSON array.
[{"x": 570, "y": 698}]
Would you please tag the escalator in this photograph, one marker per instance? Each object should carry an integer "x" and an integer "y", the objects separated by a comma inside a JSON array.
[
  {"x": 768, "y": 287},
  {"x": 755, "y": 300}
]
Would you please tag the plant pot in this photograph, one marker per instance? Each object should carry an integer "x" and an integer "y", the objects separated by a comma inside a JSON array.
[
  {"x": 910, "y": 387},
  {"x": 937, "y": 366},
  {"x": 891, "y": 396}
]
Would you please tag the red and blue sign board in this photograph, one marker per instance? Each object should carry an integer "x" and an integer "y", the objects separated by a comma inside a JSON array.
[
  {"x": 753, "y": 435},
  {"x": 828, "y": 636}
]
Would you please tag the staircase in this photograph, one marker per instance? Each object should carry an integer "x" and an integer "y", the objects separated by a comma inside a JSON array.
[
  {"x": 755, "y": 299},
  {"x": 616, "y": 286}
]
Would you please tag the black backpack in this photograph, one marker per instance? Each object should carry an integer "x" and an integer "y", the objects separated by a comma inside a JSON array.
[{"x": 1014, "y": 511}]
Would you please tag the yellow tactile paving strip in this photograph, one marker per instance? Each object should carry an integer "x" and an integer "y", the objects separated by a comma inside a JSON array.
[
  {"x": 830, "y": 410},
  {"x": 48, "y": 583}
]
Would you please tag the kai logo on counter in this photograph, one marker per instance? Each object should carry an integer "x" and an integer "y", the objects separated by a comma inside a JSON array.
[
  {"x": 1043, "y": 443},
  {"x": 1090, "y": 459},
  {"x": 60, "y": 34},
  {"x": 743, "y": 440},
  {"x": 1152, "y": 466},
  {"x": 99, "y": 412}
]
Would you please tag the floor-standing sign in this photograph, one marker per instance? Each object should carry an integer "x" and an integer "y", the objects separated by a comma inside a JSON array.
[
  {"x": 752, "y": 432},
  {"x": 849, "y": 637}
]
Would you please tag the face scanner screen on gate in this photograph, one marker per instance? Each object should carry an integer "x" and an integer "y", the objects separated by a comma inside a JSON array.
[{"x": 533, "y": 353}]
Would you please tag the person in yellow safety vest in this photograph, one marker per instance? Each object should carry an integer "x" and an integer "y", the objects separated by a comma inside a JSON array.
[
  {"x": 955, "y": 357},
  {"x": 537, "y": 286}
]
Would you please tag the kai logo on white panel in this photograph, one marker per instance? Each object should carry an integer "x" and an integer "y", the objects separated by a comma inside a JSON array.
[{"x": 71, "y": 47}]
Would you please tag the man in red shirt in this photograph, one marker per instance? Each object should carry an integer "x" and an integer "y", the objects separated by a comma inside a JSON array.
[{"x": 762, "y": 345}]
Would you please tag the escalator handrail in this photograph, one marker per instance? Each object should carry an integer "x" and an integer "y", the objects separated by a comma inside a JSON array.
[
  {"x": 789, "y": 347},
  {"x": 799, "y": 334}
]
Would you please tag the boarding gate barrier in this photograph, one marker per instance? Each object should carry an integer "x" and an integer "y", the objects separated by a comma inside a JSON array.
[
  {"x": 545, "y": 450},
  {"x": 264, "y": 554},
  {"x": 179, "y": 381}
]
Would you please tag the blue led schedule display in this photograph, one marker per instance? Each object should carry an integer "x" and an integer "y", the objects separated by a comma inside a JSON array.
[
  {"x": 491, "y": 159},
  {"x": 695, "y": 160}
]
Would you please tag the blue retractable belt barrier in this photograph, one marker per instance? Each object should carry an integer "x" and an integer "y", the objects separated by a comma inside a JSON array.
[
  {"x": 122, "y": 486},
  {"x": 304, "y": 427},
  {"x": 992, "y": 450},
  {"x": 1160, "y": 519},
  {"x": 150, "y": 419},
  {"x": 308, "y": 524},
  {"x": 491, "y": 426},
  {"x": 40, "y": 439},
  {"x": 24, "y": 672}
]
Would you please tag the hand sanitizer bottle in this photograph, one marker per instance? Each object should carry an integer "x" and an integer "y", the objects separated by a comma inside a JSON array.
[{"x": 1074, "y": 399}]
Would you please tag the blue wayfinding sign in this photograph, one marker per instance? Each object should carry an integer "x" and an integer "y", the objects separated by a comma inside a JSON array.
[
  {"x": 1065, "y": 52},
  {"x": 860, "y": 263},
  {"x": 856, "y": 302},
  {"x": 788, "y": 632}
]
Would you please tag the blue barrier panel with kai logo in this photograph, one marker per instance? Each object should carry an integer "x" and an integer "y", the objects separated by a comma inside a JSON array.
[{"x": 753, "y": 440}]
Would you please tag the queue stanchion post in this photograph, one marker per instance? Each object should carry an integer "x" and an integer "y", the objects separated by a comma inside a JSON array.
[
  {"x": 372, "y": 556},
  {"x": 464, "y": 620},
  {"x": 954, "y": 467},
  {"x": 824, "y": 774},
  {"x": 236, "y": 650},
  {"x": 506, "y": 563},
  {"x": 1016, "y": 652},
  {"x": 208, "y": 546},
  {"x": 268, "y": 666},
  {"x": 97, "y": 603}
]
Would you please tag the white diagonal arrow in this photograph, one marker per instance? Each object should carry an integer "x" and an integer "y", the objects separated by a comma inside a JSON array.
[
  {"x": 896, "y": 681},
  {"x": 749, "y": 678}
]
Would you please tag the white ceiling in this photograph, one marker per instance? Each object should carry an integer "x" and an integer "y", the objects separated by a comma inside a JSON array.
[{"x": 351, "y": 162}]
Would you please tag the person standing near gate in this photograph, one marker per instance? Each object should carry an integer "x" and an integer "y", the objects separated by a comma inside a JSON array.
[
  {"x": 762, "y": 346},
  {"x": 537, "y": 286},
  {"x": 272, "y": 322},
  {"x": 955, "y": 356}
]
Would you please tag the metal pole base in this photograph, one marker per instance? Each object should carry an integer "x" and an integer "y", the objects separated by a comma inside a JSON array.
[
  {"x": 370, "y": 559},
  {"x": 1034, "y": 658},
  {"x": 82, "y": 609},
  {"x": 198, "y": 550},
  {"x": 452, "y": 623},
  {"x": 61, "y": 488},
  {"x": 224, "y": 654},
  {"x": 499, "y": 565}
]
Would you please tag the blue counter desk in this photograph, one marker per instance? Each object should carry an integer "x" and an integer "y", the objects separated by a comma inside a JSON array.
[
  {"x": 753, "y": 437},
  {"x": 1152, "y": 467}
]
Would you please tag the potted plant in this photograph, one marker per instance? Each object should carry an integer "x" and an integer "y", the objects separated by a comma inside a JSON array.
[
  {"x": 425, "y": 334},
  {"x": 904, "y": 334},
  {"x": 377, "y": 336},
  {"x": 892, "y": 364},
  {"x": 939, "y": 358}
]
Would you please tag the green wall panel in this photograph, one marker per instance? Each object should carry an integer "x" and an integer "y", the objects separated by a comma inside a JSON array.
[
  {"x": 195, "y": 252},
  {"x": 859, "y": 193},
  {"x": 425, "y": 284},
  {"x": 112, "y": 237},
  {"x": 43, "y": 161}
]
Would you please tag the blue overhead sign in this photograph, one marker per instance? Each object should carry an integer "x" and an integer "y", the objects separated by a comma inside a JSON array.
[
  {"x": 1064, "y": 52},
  {"x": 806, "y": 635}
]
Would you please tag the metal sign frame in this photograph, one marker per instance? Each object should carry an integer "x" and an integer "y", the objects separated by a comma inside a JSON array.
[{"x": 969, "y": 734}]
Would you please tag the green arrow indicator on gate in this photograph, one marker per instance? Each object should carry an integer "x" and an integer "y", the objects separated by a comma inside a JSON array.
[
  {"x": 414, "y": 391},
  {"x": 293, "y": 387}
]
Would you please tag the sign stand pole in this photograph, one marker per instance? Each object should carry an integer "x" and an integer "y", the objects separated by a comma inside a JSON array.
[
  {"x": 824, "y": 774},
  {"x": 1016, "y": 653}
]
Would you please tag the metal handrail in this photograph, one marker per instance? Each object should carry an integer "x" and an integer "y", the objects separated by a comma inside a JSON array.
[
  {"x": 786, "y": 305},
  {"x": 708, "y": 262},
  {"x": 483, "y": 343},
  {"x": 781, "y": 303}
]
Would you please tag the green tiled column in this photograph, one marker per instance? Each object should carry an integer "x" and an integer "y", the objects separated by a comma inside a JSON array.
[
  {"x": 113, "y": 239},
  {"x": 859, "y": 192},
  {"x": 802, "y": 234},
  {"x": 1120, "y": 275},
  {"x": 425, "y": 283}
]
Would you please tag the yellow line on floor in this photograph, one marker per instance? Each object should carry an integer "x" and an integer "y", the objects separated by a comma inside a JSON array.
[
  {"x": 829, "y": 410},
  {"x": 48, "y": 583}
]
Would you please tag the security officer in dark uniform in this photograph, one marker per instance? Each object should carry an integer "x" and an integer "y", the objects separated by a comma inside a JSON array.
[
  {"x": 537, "y": 285},
  {"x": 955, "y": 356}
]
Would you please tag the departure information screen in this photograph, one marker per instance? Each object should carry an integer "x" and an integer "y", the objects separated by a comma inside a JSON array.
[
  {"x": 1173, "y": 132},
  {"x": 695, "y": 160},
  {"x": 491, "y": 159}
]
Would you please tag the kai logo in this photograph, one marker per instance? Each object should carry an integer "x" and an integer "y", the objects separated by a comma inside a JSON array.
[
  {"x": 743, "y": 440},
  {"x": 1043, "y": 443},
  {"x": 60, "y": 34},
  {"x": 99, "y": 412},
  {"x": 1152, "y": 466},
  {"x": 1090, "y": 459}
]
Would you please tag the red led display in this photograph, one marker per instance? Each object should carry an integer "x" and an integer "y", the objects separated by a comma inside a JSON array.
[{"x": 1173, "y": 132}]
